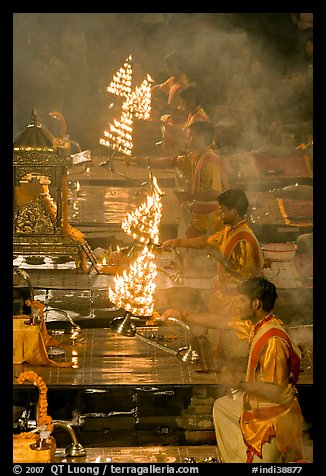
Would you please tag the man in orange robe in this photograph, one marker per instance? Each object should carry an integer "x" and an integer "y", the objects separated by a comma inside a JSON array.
[
  {"x": 200, "y": 178},
  {"x": 263, "y": 423},
  {"x": 239, "y": 256},
  {"x": 204, "y": 178},
  {"x": 192, "y": 105},
  {"x": 172, "y": 121}
]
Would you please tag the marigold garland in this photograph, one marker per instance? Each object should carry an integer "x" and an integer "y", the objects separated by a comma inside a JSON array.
[
  {"x": 36, "y": 305},
  {"x": 64, "y": 185},
  {"x": 68, "y": 230},
  {"x": 152, "y": 319},
  {"x": 26, "y": 435},
  {"x": 44, "y": 420},
  {"x": 50, "y": 206}
]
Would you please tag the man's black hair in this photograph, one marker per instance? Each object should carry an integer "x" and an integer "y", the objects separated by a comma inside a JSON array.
[
  {"x": 205, "y": 129},
  {"x": 258, "y": 287},
  {"x": 191, "y": 91},
  {"x": 234, "y": 198}
]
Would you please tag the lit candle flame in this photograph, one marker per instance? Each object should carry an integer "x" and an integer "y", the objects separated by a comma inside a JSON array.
[
  {"x": 139, "y": 101},
  {"x": 120, "y": 135},
  {"x": 121, "y": 81},
  {"x": 134, "y": 290}
]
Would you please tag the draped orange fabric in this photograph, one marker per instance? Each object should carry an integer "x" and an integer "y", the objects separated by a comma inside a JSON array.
[
  {"x": 241, "y": 248},
  {"x": 29, "y": 343},
  {"x": 209, "y": 156},
  {"x": 198, "y": 115},
  {"x": 261, "y": 420},
  {"x": 204, "y": 171},
  {"x": 172, "y": 88}
]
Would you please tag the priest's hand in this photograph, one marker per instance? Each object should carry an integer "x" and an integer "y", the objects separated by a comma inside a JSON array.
[{"x": 171, "y": 313}]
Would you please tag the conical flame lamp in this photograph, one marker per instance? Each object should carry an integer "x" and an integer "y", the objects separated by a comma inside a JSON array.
[{"x": 124, "y": 325}]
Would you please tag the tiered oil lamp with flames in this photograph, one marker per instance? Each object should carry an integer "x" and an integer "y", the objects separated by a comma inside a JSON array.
[
  {"x": 134, "y": 290},
  {"x": 137, "y": 104},
  {"x": 121, "y": 81},
  {"x": 139, "y": 101},
  {"x": 118, "y": 137}
]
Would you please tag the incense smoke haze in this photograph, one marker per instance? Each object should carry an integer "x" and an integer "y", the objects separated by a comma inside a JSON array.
[
  {"x": 223, "y": 53},
  {"x": 234, "y": 58},
  {"x": 217, "y": 48}
]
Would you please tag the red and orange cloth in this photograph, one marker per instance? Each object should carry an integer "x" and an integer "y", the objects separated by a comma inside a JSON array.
[
  {"x": 296, "y": 212},
  {"x": 284, "y": 167},
  {"x": 262, "y": 420}
]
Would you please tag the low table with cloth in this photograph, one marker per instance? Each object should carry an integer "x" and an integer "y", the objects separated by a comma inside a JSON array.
[
  {"x": 268, "y": 168},
  {"x": 30, "y": 342}
]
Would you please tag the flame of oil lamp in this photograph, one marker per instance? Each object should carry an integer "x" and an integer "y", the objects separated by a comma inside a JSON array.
[
  {"x": 134, "y": 290},
  {"x": 143, "y": 222},
  {"x": 120, "y": 135},
  {"x": 121, "y": 82},
  {"x": 104, "y": 266},
  {"x": 139, "y": 101}
]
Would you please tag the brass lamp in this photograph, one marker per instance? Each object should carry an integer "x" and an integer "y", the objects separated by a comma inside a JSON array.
[
  {"x": 124, "y": 325},
  {"x": 186, "y": 354}
]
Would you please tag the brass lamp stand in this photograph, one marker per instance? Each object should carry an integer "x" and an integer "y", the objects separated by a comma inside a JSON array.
[{"x": 124, "y": 325}]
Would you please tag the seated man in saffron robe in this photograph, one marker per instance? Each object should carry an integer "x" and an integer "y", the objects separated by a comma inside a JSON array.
[{"x": 261, "y": 420}]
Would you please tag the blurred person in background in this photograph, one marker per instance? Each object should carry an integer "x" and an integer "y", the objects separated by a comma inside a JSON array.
[
  {"x": 196, "y": 113},
  {"x": 166, "y": 98},
  {"x": 48, "y": 77},
  {"x": 177, "y": 80},
  {"x": 242, "y": 121},
  {"x": 74, "y": 53},
  {"x": 292, "y": 111},
  {"x": 200, "y": 178},
  {"x": 304, "y": 24}
]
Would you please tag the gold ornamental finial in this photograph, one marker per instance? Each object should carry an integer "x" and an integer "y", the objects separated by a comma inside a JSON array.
[{"x": 34, "y": 121}]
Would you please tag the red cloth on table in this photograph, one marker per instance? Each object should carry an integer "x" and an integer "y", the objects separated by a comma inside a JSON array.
[{"x": 283, "y": 166}]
